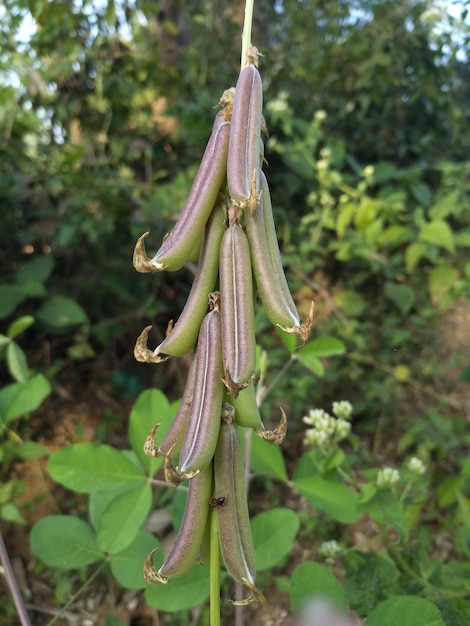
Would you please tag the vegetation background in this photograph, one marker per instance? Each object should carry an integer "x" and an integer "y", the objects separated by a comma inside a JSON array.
[{"x": 105, "y": 109}]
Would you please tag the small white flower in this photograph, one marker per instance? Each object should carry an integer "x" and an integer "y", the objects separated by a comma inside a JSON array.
[
  {"x": 323, "y": 164},
  {"x": 343, "y": 428},
  {"x": 329, "y": 549},
  {"x": 342, "y": 409},
  {"x": 369, "y": 171},
  {"x": 325, "y": 153},
  {"x": 387, "y": 477},
  {"x": 315, "y": 416},
  {"x": 416, "y": 466},
  {"x": 320, "y": 115},
  {"x": 314, "y": 437}
]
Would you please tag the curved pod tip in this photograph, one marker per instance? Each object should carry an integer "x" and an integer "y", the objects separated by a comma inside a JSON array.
[
  {"x": 141, "y": 261},
  {"x": 150, "y": 572},
  {"x": 143, "y": 354}
]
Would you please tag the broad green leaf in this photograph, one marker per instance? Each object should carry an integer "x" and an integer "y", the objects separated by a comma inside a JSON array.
[
  {"x": 312, "y": 363},
  {"x": 441, "y": 279},
  {"x": 406, "y": 611},
  {"x": 365, "y": 213},
  {"x": 150, "y": 408},
  {"x": 111, "y": 620},
  {"x": 312, "y": 580},
  {"x": 346, "y": 212},
  {"x": 10, "y": 297},
  {"x": 180, "y": 593},
  {"x": 36, "y": 270},
  {"x": 123, "y": 517},
  {"x": 322, "y": 347},
  {"x": 9, "y": 512},
  {"x": 384, "y": 507},
  {"x": 60, "y": 313},
  {"x": 274, "y": 533},
  {"x": 127, "y": 565},
  {"x": 86, "y": 467},
  {"x": 64, "y": 542},
  {"x": 370, "y": 578},
  {"x": 455, "y": 611},
  {"x": 394, "y": 235},
  {"x": 20, "y": 399},
  {"x": 330, "y": 496},
  {"x": 438, "y": 233},
  {"x": 32, "y": 450},
  {"x": 16, "y": 362},
  {"x": 445, "y": 206},
  {"x": 401, "y": 295},
  {"x": 413, "y": 254},
  {"x": 350, "y": 302},
  {"x": 19, "y": 326},
  {"x": 267, "y": 459},
  {"x": 290, "y": 341}
]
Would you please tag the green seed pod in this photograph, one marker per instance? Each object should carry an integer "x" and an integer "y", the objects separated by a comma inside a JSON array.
[
  {"x": 236, "y": 542},
  {"x": 237, "y": 310},
  {"x": 184, "y": 552},
  {"x": 178, "y": 247},
  {"x": 204, "y": 419},
  {"x": 183, "y": 336},
  {"x": 243, "y": 151}
]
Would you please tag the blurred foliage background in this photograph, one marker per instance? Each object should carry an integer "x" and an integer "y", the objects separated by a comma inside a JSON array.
[{"x": 105, "y": 109}]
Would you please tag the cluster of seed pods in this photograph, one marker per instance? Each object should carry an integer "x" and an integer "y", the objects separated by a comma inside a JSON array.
[{"x": 229, "y": 210}]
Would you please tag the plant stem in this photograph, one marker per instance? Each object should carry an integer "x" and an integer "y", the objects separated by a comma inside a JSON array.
[
  {"x": 214, "y": 570},
  {"x": 11, "y": 582},
  {"x": 85, "y": 585},
  {"x": 246, "y": 35}
]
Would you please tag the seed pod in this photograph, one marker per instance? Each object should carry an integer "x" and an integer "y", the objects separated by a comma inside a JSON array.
[
  {"x": 236, "y": 310},
  {"x": 246, "y": 408},
  {"x": 174, "y": 437},
  {"x": 236, "y": 542},
  {"x": 243, "y": 151},
  {"x": 184, "y": 551},
  {"x": 204, "y": 419},
  {"x": 177, "y": 248},
  {"x": 183, "y": 335}
]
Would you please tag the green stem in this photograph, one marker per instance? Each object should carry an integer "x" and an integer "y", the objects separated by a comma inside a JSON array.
[
  {"x": 246, "y": 35},
  {"x": 79, "y": 592},
  {"x": 214, "y": 570}
]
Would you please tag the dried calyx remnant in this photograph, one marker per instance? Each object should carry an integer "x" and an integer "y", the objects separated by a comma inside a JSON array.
[{"x": 228, "y": 217}]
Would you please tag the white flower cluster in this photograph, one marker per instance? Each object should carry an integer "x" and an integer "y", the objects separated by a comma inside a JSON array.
[
  {"x": 416, "y": 466},
  {"x": 329, "y": 549},
  {"x": 326, "y": 427},
  {"x": 387, "y": 477}
]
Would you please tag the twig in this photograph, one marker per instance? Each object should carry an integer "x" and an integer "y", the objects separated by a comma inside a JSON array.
[{"x": 11, "y": 582}]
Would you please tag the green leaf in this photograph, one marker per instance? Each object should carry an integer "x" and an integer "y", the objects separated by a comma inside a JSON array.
[
  {"x": 366, "y": 213},
  {"x": 406, "y": 611},
  {"x": 289, "y": 341},
  {"x": 323, "y": 347},
  {"x": 401, "y": 295},
  {"x": 16, "y": 362},
  {"x": 19, "y": 399},
  {"x": 370, "y": 577},
  {"x": 346, "y": 212},
  {"x": 64, "y": 542},
  {"x": 274, "y": 533},
  {"x": 150, "y": 408},
  {"x": 60, "y": 313},
  {"x": 86, "y": 467},
  {"x": 312, "y": 363},
  {"x": 445, "y": 206},
  {"x": 441, "y": 279},
  {"x": 384, "y": 507},
  {"x": 413, "y": 254},
  {"x": 32, "y": 450},
  {"x": 350, "y": 302},
  {"x": 127, "y": 565},
  {"x": 438, "y": 233},
  {"x": 123, "y": 517},
  {"x": 9, "y": 512},
  {"x": 180, "y": 593},
  {"x": 114, "y": 621},
  {"x": 310, "y": 580},
  {"x": 36, "y": 270},
  {"x": 330, "y": 496},
  {"x": 267, "y": 459},
  {"x": 19, "y": 326},
  {"x": 10, "y": 297}
]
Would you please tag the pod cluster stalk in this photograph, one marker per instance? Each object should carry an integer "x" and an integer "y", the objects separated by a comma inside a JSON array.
[{"x": 228, "y": 221}]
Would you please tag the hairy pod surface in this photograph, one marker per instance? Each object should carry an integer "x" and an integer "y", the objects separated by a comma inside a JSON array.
[
  {"x": 243, "y": 151},
  {"x": 236, "y": 542},
  {"x": 184, "y": 551},
  {"x": 174, "y": 437},
  {"x": 183, "y": 336},
  {"x": 204, "y": 419},
  {"x": 267, "y": 263},
  {"x": 237, "y": 309},
  {"x": 178, "y": 247}
]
